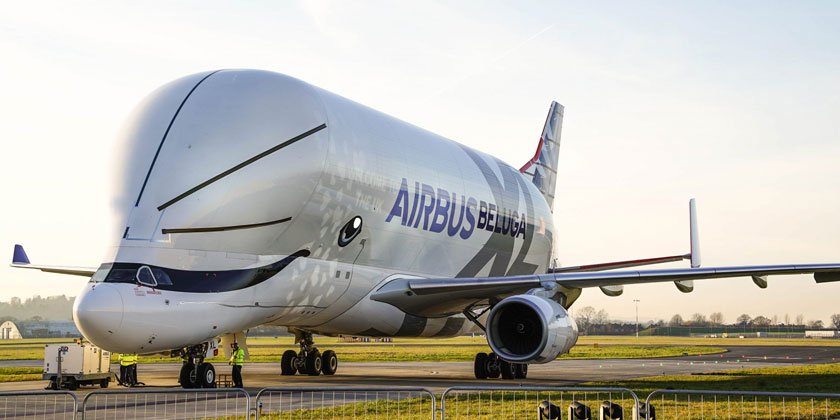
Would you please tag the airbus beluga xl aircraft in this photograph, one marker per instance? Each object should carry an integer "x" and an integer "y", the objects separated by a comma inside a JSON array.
[{"x": 252, "y": 198}]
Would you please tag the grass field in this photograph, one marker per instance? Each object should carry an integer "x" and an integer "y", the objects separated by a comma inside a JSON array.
[
  {"x": 268, "y": 349},
  {"x": 523, "y": 404},
  {"x": 16, "y": 374},
  {"x": 809, "y": 378},
  {"x": 451, "y": 352}
]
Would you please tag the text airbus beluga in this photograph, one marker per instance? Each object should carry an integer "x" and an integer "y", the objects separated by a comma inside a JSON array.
[{"x": 250, "y": 198}]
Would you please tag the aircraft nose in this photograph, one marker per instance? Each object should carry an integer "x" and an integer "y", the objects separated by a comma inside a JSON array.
[{"x": 98, "y": 313}]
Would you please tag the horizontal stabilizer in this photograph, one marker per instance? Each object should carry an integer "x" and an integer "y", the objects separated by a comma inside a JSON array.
[{"x": 21, "y": 260}]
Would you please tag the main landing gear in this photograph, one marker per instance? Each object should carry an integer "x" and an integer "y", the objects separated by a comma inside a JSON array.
[
  {"x": 308, "y": 361},
  {"x": 491, "y": 366},
  {"x": 195, "y": 373}
]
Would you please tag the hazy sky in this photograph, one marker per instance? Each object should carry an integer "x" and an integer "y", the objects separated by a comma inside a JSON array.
[{"x": 734, "y": 103}]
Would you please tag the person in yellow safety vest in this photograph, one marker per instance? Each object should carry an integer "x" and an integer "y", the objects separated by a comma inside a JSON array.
[
  {"x": 237, "y": 360},
  {"x": 128, "y": 369}
]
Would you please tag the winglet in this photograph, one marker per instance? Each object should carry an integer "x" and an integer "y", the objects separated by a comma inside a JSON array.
[
  {"x": 695, "y": 238},
  {"x": 19, "y": 257}
]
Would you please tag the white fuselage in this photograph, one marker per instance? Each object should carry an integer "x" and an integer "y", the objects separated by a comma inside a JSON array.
[{"x": 235, "y": 186}]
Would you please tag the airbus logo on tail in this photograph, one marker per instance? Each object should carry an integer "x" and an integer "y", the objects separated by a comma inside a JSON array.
[{"x": 438, "y": 210}]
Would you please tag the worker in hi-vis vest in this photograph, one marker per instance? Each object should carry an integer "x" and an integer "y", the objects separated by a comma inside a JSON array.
[
  {"x": 237, "y": 359},
  {"x": 128, "y": 369}
]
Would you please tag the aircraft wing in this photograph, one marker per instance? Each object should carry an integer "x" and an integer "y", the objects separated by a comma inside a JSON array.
[
  {"x": 20, "y": 260},
  {"x": 444, "y": 297}
]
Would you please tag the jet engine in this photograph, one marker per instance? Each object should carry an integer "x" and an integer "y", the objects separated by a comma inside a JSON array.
[{"x": 530, "y": 329}]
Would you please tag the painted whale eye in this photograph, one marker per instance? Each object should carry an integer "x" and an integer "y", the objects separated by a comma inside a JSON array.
[{"x": 349, "y": 231}]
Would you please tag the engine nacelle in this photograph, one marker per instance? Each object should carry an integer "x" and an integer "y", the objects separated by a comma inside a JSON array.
[{"x": 530, "y": 329}]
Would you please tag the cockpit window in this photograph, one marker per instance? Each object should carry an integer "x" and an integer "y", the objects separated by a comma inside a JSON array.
[
  {"x": 145, "y": 276},
  {"x": 122, "y": 274},
  {"x": 161, "y": 277},
  {"x": 101, "y": 273},
  {"x": 192, "y": 281}
]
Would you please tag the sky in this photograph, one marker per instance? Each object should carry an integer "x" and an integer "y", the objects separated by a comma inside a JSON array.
[{"x": 732, "y": 103}]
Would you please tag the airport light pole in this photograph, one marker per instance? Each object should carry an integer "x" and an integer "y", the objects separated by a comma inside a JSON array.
[{"x": 637, "y": 317}]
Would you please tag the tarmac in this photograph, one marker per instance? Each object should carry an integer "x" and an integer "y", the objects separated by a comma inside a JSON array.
[{"x": 437, "y": 376}]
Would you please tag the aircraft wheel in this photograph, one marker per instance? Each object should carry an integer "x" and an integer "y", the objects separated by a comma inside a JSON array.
[
  {"x": 480, "y": 365},
  {"x": 313, "y": 363},
  {"x": 288, "y": 363},
  {"x": 493, "y": 366},
  {"x": 329, "y": 362},
  {"x": 206, "y": 376},
  {"x": 187, "y": 377},
  {"x": 508, "y": 369},
  {"x": 520, "y": 370}
]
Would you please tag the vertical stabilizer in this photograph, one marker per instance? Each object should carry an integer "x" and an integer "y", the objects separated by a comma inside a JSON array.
[{"x": 542, "y": 168}]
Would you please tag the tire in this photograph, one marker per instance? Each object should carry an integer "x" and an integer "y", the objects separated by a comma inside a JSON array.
[
  {"x": 480, "y": 366},
  {"x": 72, "y": 384},
  {"x": 313, "y": 363},
  {"x": 54, "y": 383},
  {"x": 206, "y": 376},
  {"x": 104, "y": 383},
  {"x": 493, "y": 366},
  {"x": 520, "y": 370},
  {"x": 508, "y": 369},
  {"x": 288, "y": 365},
  {"x": 186, "y": 376},
  {"x": 329, "y": 362}
]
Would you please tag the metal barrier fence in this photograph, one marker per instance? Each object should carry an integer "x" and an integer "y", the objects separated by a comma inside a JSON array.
[
  {"x": 517, "y": 402},
  {"x": 694, "y": 404},
  {"x": 233, "y": 403},
  {"x": 468, "y": 402},
  {"x": 346, "y": 403},
  {"x": 38, "y": 405}
]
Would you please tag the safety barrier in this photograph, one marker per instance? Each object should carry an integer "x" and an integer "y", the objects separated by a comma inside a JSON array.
[
  {"x": 468, "y": 402},
  {"x": 351, "y": 402},
  {"x": 515, "y": 402},
  {"x": 38, "y": 405},
  {"x": 228, "y": 403},
  {"x": 696, "y": 404}
]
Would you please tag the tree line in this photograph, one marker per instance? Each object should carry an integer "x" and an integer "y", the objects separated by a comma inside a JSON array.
[
  {"x": 37, "y": 308},
  {"x": 596, "y": 321}
]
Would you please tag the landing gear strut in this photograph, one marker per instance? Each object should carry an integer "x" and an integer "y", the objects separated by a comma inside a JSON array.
[
  {"x": 195, "y": 373},
  {"x": 309, "y": 360},
  {"x": 491, "y": 366}
]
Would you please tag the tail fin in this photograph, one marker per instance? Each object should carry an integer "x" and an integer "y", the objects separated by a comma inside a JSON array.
[{"x": 542, "y": 168}]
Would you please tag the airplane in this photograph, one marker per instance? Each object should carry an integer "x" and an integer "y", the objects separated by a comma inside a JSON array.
[{"x": 252, "y": 198}]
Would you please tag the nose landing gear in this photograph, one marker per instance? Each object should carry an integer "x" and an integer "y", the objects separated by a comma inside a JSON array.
[
  {"x": 195, "y": 373},
  {"x": 309, "y": 360}
]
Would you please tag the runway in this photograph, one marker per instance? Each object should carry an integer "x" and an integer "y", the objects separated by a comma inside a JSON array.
[{"x": 437, "y": 376}]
